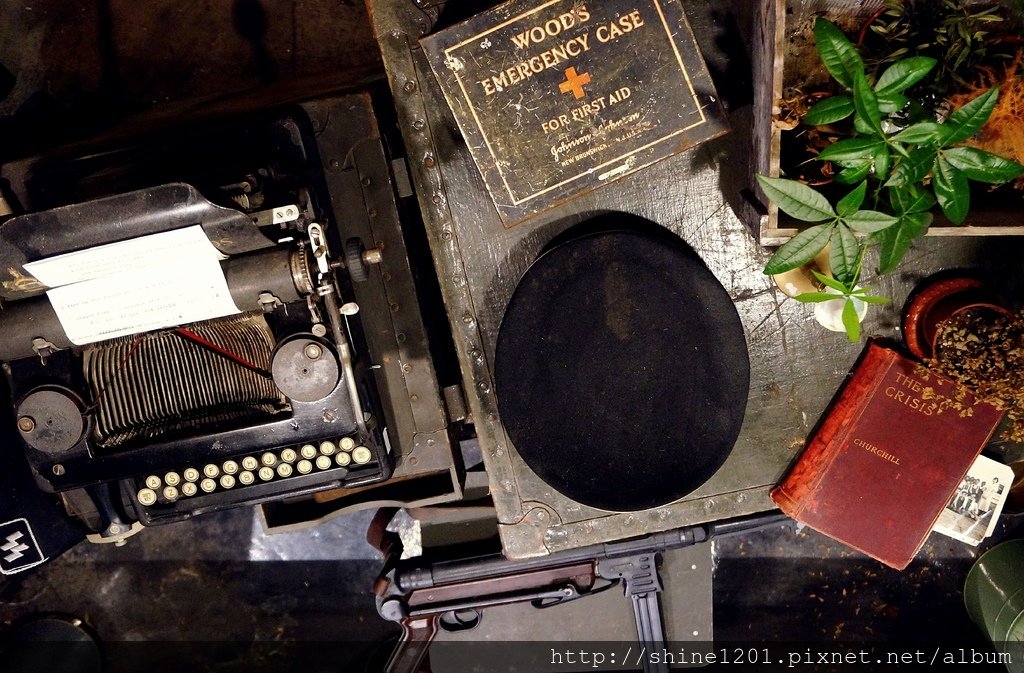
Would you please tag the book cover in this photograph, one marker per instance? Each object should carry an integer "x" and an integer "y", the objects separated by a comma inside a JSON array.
[
  {"x": 887, "y": 456},
  {"x": 557, "y": 98}
]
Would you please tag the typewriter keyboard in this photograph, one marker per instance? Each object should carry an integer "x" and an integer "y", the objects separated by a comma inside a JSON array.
[{"x": 239, "y": 472}]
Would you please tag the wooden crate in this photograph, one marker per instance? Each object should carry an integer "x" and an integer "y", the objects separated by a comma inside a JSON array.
[{"x": 785, "y": 60}]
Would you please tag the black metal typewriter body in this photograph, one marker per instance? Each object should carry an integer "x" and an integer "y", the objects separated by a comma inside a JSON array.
[{"x": 276, "y": 401}]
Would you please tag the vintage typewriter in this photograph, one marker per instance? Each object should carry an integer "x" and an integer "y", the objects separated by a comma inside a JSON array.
[{"x": 170, "y": 351}]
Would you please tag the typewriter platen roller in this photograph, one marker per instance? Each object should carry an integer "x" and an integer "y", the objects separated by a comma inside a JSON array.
[{"x": 264, "y": 403}]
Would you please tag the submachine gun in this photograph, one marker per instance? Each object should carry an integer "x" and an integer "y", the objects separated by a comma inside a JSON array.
[{"x": 418, "y": 594}]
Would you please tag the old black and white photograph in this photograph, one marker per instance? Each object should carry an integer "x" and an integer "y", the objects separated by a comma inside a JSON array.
[{"x": 971, "y": 514}]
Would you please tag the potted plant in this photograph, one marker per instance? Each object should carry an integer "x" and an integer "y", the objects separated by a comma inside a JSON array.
[{"x": 900, "y": 156}]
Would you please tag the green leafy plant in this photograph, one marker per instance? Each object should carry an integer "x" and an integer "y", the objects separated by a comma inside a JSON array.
[{"x": 905, "y": 162}]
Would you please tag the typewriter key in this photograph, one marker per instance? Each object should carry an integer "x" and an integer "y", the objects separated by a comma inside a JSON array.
[
  {"x": 211, "y": 471},
  {"x": 327, "y": 448},
  {"x": 170, "y": 493},
  {"x": 268, "y": 459},
  {"x": 191, "y": 474},
  {"x": 227, "y": 481},
  {"x": 147, "y": 497},
  {"x": 304, "y": 467},
  {"x": 323, "y": 463},
  {"x": 208, "y": 485},
  {"x": 246, "y": 478},
  {"x": 347, "y": 443},
  {"x": 361, "y": 455},
  {"x": 289, "y": 455},
  {"x": 308, "y": 452},
  {"x": 230, "y": 467},
  {"x": 172, "y": 479},
  {"x": 249, "y": 463},
  {"x": 266, "y": 473},
  {"x": 284, "y": 470},
  {"x": 189, "y": 489},
  {"x": 153, "y": 482},
  {"x": 343, "y": 459}
]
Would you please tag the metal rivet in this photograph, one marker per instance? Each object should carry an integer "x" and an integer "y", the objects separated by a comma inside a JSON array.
[
  {"x": 313, "y": 351},
  {"x": 58, "y": 469},
  {"x": 26, "y": 424},
  {"x": 406, "y": 368},
  {"x": 410, "y": 86},
  {"x": 437, "y": 199},
  {"x": 483, "y": 387},
  {"x": 446, "y": 235},
  {"x": 366, "y": 181},
  {"x": 418, "y": 124},
  {"x": 428, "y": 161}
]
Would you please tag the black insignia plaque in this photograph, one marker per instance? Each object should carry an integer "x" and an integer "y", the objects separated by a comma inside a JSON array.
[{"x": 559, "y": 98}]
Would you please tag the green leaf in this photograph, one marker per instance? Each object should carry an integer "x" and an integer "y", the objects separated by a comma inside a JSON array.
[
  {"x": 850, "y": 321},
  {"x": 952, "y": 191},
  {"x": 983, "y": 166},
  {"x": 912, "y": 199},
  {"x": 828, "y": 281},
  {"x": 882, "y": 163},
  {"x": 865, "y": 105},
  {"x": 796, "y": 199},
  {"x": 891, "y": 103},
  {"x": 896, "y": 240},
  {"x": 869, "y": 221},
  {"x": 902, "y": 75},
  {"x": 854, "y": 173},
  {"x": 872, "y": 299},
  {"x": 852, "y": 201},
  {"x": 837, "y": 52},
  {"x": 829, "y": 110},
  {"x": 816, "y": 297},
  {"x": 799, "y": 250},
  {"x": 969, "y": 119},
  {"x": 851, "y": 149},
  {"x": 843, "y": 254},
  {"x": 913, "y": 168},
  {"x": 919, "y": 134}
]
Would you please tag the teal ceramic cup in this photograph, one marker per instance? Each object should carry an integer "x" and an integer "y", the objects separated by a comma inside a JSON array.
[{"x": 994, "y": 594}]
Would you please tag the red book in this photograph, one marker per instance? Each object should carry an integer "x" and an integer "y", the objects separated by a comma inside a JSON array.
[{"x": 887, "y": 456}]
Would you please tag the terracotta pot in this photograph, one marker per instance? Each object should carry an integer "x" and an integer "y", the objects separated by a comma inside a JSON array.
[{"x": 936, "y": 301}]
